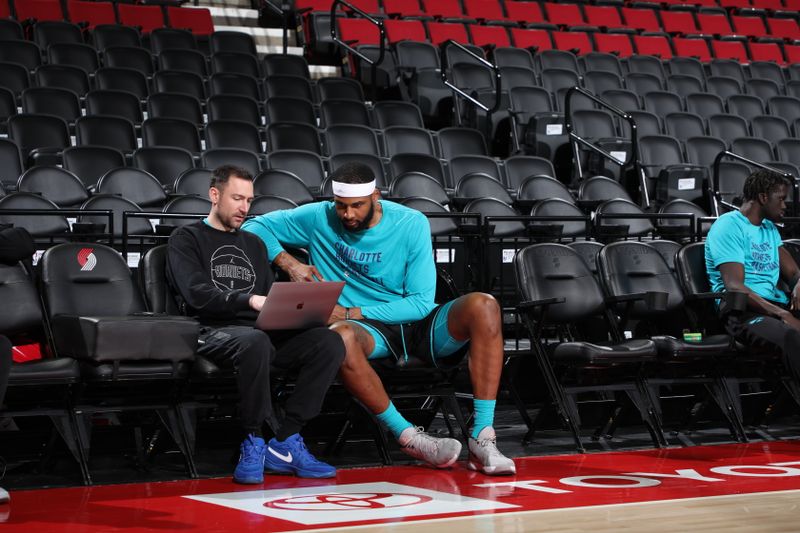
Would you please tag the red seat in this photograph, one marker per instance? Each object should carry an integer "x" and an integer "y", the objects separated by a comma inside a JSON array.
[
  {"x": 525, "y": 12},
  {"x": 5, "y": 9},
  {"x": 403, "y": 8},
  {"x": 734, "y": 3},
  {"x": 792, "y": 5},
  {"x": 92, "y": 13},
  {"x": 603, "y": 16},
  {"x": 766, "y": 52},
  {"x": 653, "y": 45},
  {"x": 792, "y": 53},
  {"x": 714, "y": 24},
  {"x": 564, "y": 14},
  {"x": 539, "y": 39},
  {"x": 692, "y": 48},
  {"x": 614, "y": 43},
  {"x": 367, "y": 6},
  {"x": 750, "y": 26},
  {"x": 784, "y": 28},
  {"x": 356, "y": 31},
  {"x": 772, "y": 5},
  {"x": 641, "y": 19},
  {"x": 442, "y": 31},
  {"x": 404, "y": 30},
  {"x": 576, "y": 41},
  {"x": 486, "y": 35},
  {"x": 39, "y": 10},
  {"x": 729, "y": 50},
  {"x": 484, "y": 9},
  {"x": 444, "y": 8},
  {"x": 147, "y": 17},
  {"x": 679, "y": 22},
  {"x": 313, "y": 5},
  {"x": 196, "y": 20}
]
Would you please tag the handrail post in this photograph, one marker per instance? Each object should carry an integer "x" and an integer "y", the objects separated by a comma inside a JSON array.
[
  {"x": 284, "y": 21},
  {"x": 374, "y": 63}
]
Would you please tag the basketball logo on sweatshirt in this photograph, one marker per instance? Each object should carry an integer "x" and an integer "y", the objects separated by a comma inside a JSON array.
[{"x": 231, "y": 270}]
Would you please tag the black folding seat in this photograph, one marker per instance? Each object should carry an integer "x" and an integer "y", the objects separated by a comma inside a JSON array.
[
  {"x": 786, "y": 107},
  {"x": 506, "y": 56},
  {"x": 684, "y": 228},
  {"x": 534, "y": 123},
  {"x": 793, "y": 88},
  {"x": 285, "y": 65},
  {"x": 262, "y": 205},
  {"x": 746, "y": 106},
  {"x": 171, "y": 132},
  {"x": 90, "y": 163},
  {"x": 600, "y": 81},
  {"x": 351, "y": 139},
  {"x": 788, "y": 150},
  {"x": 162, "y": 39},
  {"x": 704, "y": 104},
  {"x": 338, "y": 112},
  {"x": 771, "y": 128},
  {"x": 307, "y": 165},
  {"x": 134, "y": 184},
  {"x": 703, "y": 150},
  {"x": 601, "y": 61},
  {"x": 598, "y": 189},
  {"x": 52, "y": 101},
  {"x": 753, "y": 148},
  {"x": 286, "y": 109},
  {"x": 122, "y": 79},
  {"x": 570, "y": 227},
  {"x": 514, "y": 76},
  {"x": 339, "y": 89},
  {"x": 421, "y": 78},
  {"x": 764, "y": 89},
  {"x": 103, "y": 130},
  {"x": 288, "y": 86},
  {"x": 588, "y": 250},
  {"x": 118, "y": 206},
  {"x": 685, "y": 84},
  {"x": 460, "y": 141},
  {"x": 767, "y": 70},
  {"x": 647, "y": 64},
  {"x": 561, "y": 59},
  {"x": 537, "y": 188},
  {"x": 727, "y": 127},
  {"x": 41, "y": 225},
  {"x": 417, "y": 184},
  {"x": 684, "y": 125},
  {"x": 229, "y": 83},
  {"x": 439, "y": 226},
  {"x": 45, "y": 134},
  {"x": 246, "y": 159},
  {"x": 558, "y": 82},
  {"x": 724, "y": 86},
  {"x": 293, "y": 136},
  {"x": 14, "y": 77},
  {"x": 389, "y": 113},
  {"x": 432, "y": 166},
  {"x": 374, "y": 162},
  {"x": 132, "y": 57},
  {"x": 282, "y": 183},
  {"x": 463, "y": 165},
  {"x": 184, "y": 61},
  {"x": 82, "y": 56},
  {"x": 192, "y": 205},
  {"x": 56, "y": 184},
  {"x": 179, "y": 82},
  {"x": 193, "y": 182},
  {"x": 687, "y": 65},
  {"x": 163, "y": 162},
  {"x": 787, "y": 168},
  {"x": 234, "y": 107},
  {"x": 642, "y": 83},
  {"x": 402, "y": 140},
  {"x": 667, "y": 248},
  {"x": 662, "y": 159},
  {"x": 97, "y": 316},
  {"x": 236, "y": 63},
  {"x": 517, "y": 168},
  {"x": 8, "y": 107},
  {"x": 10, "y": 163},
  {"x": 46, "y": 33},
  {"x": 623, "y": 99},
  {"x": 64, "y": 77},
  {"x": 728, "y": 190},
  {"x": 11, "y": 30},
  {"x": 479, "y": 185},
  {"x": 233, "y": 134},
  {"x": 612, "y": 213},
  {"x": 729, "y": 68},
  {"x": 23, "y": 53},
  {"x": 175, "y": 105},
  {"x": 232, "y": 41},
  {"x": 558, "y": 290},
  {"x": 663, "y": 103},
  {"x": 105, "y": 36}
]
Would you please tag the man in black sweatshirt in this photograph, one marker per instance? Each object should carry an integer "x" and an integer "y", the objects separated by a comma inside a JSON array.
[{"x": 220, "y": 276}]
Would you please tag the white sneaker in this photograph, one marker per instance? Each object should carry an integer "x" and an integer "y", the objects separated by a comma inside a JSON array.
[
  {"x": 4, "y": 495},
  {"x": 439, "y": 452},
  {"x": 485, "y": 457}
]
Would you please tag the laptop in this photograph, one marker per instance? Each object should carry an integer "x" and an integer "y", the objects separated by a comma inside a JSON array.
[{"x": 292, "y": 305}]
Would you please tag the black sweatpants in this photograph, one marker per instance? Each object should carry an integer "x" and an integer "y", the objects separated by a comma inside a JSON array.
[
  {"x": 316, "y": 354},
  {"x": 5, "y": 365},
  {"x": 760, "y": 331}
]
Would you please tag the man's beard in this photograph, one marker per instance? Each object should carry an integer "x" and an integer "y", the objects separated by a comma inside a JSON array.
[{"x": 364, "y": 224}]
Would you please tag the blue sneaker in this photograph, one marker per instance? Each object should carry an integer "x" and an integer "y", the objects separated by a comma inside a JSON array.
[
  {"x": 250, "y": 469},
  {"x": 292, "y": 457}
]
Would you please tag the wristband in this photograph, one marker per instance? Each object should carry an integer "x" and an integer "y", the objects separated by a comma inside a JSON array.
[{"x": 347, "y": 313}]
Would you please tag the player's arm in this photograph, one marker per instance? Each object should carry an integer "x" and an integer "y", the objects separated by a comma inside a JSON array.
[
  {"x": 733, "y": 278},
  {"x": 790, "y": 273}
]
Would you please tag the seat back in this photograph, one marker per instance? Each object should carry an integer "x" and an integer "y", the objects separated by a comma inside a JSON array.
[
  {"x": 153, "y": 282},
  {"x": 283, "y": 183}
]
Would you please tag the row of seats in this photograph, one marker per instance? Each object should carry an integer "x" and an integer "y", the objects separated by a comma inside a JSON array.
[{"x": 93, "y": 13}]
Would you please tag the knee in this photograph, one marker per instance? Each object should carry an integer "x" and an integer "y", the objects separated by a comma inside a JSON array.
[
  {"x": 354, "y": 353},
  {"x": 256, "y": 343},
  {"x": 483, "y": 311},
  {"x": 330, "y": 345}
]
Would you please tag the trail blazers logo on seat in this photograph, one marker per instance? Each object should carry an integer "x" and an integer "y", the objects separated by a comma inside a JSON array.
[{"x": 87, "y": 260}]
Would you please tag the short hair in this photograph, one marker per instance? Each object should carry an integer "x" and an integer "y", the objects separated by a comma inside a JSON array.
[
  {"x": 353, "y": 172},
  {"x": 762, "y": 181},
  {"x": 221, "y": 175}
]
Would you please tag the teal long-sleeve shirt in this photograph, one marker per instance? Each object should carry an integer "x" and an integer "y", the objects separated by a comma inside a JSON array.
[{"x": 388, "y": 269}]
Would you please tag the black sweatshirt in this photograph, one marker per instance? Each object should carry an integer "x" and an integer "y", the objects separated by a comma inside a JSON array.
[{"x": 215, "y": 272}]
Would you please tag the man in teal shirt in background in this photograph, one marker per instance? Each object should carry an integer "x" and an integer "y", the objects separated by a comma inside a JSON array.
[{"x": 383, "y": 252}]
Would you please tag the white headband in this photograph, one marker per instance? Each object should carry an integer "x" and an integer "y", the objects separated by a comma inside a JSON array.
[{"x": 353, "y": 190}]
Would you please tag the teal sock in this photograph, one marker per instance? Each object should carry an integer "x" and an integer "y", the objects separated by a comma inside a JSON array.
[
  {"x": 394, "y": 421},
  {"x": 484, "y": 415}
]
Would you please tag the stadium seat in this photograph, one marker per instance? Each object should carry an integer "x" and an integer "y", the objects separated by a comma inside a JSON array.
[
  {"x": 175, "y": 105},
  {"x": 307, "y": 165},
  {"x": 162, "y": 39},
  {"x": 193, "y": 182},
  {"x": 134, "y": 184},
  {"x": 233, "y": 134},
  {"x": 51, "y": 32},
  {"x": 63, "y": 76},
  {"x": 122, "y": 79},
  {"x": 91, "y": 14},
  {"x": 180, "y": 82},
  {"x": 52, "y": 101},
  {"x": 56, "y": 184},
  {"x": 232, "y": 41},
  {"x": 108, "y": 35},
  {"x": 164, "y": 163},
  {"x": 197, "y": 21},
  {"x": 90, "y": 163},
  {"x": 184, "y": 60},
  {"x": 289, "y": 109},
  {"x": 39, "y": 10},
  {"x": 216, "y": 157},
  {"x": 273, "y": 182},
  {"x": 41, "y": 225},
  {"x": 146, "y": 17},
  {"x": 104, "y": 130},
  {"x": 171, "y": 132},
  {"x": 82, "y": 56}
]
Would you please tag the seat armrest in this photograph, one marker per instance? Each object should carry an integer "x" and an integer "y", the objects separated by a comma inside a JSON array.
[
  {"x": 533, "y": 304},
  {"x": 654, "y": 300}
]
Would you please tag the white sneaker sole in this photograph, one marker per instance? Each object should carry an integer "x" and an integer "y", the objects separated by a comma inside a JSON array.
[
  {"x": 448, "y": 464},
  {"x": 475, "y": 464}
]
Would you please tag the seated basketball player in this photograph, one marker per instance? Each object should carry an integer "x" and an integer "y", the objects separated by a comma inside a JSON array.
[
  {"x": 744, "y": 252},
  {"x": 220, "y": 276},
  {"x": 383, "y": 252}
]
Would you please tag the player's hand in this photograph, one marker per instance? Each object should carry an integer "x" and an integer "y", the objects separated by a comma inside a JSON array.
[
  {"x": 796, "y": 297},
  {"x": 337, "y": 315},
  {"x": 301, "y": 272},
  {"x": 257, "y": 302}
]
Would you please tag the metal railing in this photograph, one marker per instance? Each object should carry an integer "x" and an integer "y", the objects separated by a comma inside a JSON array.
[
  {"x": 714, "y": 185},
  {"x": 373, "y": 63},
  {"x": 284, "y": 14}
]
